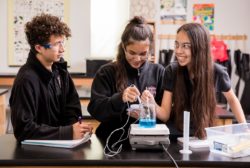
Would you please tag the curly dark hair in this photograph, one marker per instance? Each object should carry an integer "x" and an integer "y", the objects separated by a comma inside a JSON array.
[{"x": 41, "y": 27}]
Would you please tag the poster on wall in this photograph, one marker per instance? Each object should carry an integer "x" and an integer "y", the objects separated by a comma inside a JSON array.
[
  {"x": 19, "y": 13},
  {"x": 173, "y": 11},
  {"x": 204, "y": 14}
]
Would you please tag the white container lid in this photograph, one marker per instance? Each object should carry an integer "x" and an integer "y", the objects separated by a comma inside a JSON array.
[{"x": 159, "y": 129}]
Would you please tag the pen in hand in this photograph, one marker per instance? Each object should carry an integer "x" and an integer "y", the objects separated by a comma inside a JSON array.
[
  {"x": 80, "y": 119},
  {"x": 88, "y": 127}
]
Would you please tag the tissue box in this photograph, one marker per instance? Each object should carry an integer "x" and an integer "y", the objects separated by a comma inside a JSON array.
[{"x": 230, "y": 140}]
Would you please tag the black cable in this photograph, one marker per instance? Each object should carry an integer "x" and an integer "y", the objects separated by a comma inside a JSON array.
[{"x": 172, "y": 159}]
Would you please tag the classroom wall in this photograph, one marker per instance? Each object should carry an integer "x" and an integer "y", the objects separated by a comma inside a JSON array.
[
  {"x": 79, "y": 22},
  {"x": 230, "y": 18}
]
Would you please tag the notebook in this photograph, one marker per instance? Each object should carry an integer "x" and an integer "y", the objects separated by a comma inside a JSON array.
[{"x": 58, "y": 143}]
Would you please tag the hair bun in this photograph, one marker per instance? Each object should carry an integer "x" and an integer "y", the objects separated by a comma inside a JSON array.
[{"x": 138, "y": 20}]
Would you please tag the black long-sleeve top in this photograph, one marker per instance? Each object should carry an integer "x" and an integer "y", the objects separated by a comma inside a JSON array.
[
  {"x": 106, "y": 103},
  {"x": 44, "y": 104},
  {"x": 222, "y": 83}
]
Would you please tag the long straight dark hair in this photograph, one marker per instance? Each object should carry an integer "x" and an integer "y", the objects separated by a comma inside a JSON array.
[
  {"x": 136, "y": 30},
  {"x": 202, "y": 103}
]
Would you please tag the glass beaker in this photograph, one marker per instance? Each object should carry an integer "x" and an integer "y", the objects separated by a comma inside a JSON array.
[{"x": 147, "y": 116}]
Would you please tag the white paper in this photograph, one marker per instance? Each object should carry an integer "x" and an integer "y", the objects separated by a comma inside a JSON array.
[
  {"x": 195, "y": 143},
  {"x": 58, "y": 143}
]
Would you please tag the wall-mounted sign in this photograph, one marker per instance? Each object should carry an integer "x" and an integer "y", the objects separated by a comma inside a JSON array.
[{"x": 204, "y": 14}]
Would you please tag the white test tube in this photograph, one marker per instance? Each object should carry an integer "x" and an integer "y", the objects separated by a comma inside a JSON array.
[{"x": 186, "y": 121}]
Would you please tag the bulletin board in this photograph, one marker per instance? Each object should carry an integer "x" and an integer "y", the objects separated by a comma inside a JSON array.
[{"x": 22, "y": 11}]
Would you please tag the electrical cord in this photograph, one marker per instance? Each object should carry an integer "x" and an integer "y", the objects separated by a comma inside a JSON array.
[
  {"x": 111, "y": 152},
  {"x": 170, "y": 156}
]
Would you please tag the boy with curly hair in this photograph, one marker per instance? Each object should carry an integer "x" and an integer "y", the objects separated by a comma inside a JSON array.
[{"x": 44, "y": 101}]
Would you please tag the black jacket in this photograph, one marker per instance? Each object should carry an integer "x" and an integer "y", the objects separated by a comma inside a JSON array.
[
  {"x": 106, "y": 103},
  {"x": 44, "y": 104}
]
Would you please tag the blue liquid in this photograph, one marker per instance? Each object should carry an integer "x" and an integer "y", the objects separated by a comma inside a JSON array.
[{"x": 147, "y": 123}]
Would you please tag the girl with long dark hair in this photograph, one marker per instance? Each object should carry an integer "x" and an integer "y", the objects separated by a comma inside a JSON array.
[
  {"x": 191, "y": 83},
  {"x": 120, "y": 83}
]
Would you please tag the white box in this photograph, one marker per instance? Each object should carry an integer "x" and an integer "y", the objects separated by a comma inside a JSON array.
[{"x": 230, "y": 140}]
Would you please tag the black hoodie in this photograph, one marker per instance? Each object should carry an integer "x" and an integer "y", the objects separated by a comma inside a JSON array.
[
  {"x": 44, "y": 104},
  {"x": 106, "y": 103}
]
